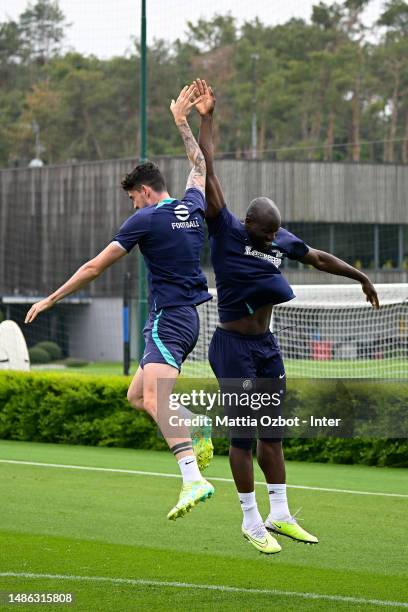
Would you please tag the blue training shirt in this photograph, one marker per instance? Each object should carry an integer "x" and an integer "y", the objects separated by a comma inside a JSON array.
[
  {"x": 170, "y": 236},
  {"x": 246, "y": 278}
]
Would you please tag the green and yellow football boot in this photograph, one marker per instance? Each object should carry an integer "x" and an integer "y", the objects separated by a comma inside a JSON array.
[
  {"x": 261, "y": 539},
  {"x": 191, "y": 493},
  {"x": 291, "y": 530},
  {"x": 202, "y": 446}
]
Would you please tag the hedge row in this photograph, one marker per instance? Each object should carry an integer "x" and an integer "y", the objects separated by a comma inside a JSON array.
[{"x": 93, "y": 410}]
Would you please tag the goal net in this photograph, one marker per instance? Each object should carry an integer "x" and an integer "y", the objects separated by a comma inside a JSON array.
[{"x": 330, "y": 331}]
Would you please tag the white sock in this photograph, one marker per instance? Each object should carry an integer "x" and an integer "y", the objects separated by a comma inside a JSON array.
[
  {"x": 252, "y": 518},
  {"x": 279, "y": 502},
  {"x": 189, "y": 469}
]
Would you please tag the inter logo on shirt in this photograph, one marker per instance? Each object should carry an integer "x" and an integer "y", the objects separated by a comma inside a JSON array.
[{"x": 275, "y": 258}]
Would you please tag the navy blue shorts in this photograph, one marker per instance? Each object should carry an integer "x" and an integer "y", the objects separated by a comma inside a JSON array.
[
  {"x": 249, "y": 362},
  {"x": 170, "y": 335},
  {"x": 234, "y": 355}
]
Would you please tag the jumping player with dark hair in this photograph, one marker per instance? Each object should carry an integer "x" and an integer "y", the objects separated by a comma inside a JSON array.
[
  {"x": 170, "y": 235},
  {"x": 143, "y": 177},
  {"x": 246, "y": 259}
]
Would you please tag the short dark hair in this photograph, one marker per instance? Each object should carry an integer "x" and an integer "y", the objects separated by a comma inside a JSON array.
[{"x": 144, "y": 174}]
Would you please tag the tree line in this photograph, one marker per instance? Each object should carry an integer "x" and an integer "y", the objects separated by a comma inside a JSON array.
[{"x": 326, "y": 89}]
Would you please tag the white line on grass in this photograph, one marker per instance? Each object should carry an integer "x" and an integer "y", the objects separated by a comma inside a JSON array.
[
  {"x": 208, "y": 587},
  {"x": 164, "y": 475}
]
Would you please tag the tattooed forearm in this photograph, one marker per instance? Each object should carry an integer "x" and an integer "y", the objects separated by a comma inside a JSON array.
[{"x": 194, "y": 154}]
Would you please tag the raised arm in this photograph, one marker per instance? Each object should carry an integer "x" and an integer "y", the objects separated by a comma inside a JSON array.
[
  {"x": 180, "y": 109},
  {"x": 326, "y": 262},
  {"x": 82, "y": 277},
  {"x": 205, "y": 107}
]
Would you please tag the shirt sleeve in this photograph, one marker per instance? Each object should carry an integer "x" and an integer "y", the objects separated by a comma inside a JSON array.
[
  {"x": 294, "y": 247},
  {"x": 132, "y": 231},
  {"x": 195, "y": 196},
  {"x": 220, "y": 223}
]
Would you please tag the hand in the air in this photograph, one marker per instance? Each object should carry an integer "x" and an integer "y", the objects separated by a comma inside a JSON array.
[
  {"x": 188, "y": 97},
  {"x": 207, "y": 103}
]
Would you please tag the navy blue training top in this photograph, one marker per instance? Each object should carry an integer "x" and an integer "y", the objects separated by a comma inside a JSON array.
[
  {"x": 170, "y": 236},
  {"x": 246, "y": 278}
]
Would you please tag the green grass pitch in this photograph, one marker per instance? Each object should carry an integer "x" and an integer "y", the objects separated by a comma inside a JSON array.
[
  {"x": 111, "y": 528},
  {"x": 295, "y": 368}
]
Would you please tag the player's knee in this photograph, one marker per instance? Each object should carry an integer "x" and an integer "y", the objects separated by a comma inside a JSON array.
[
  {"x": 135, "y": 399},
  {"x": 275, "y": 444},
  {"x": 242, "y": 443},
  {"x": 150, "y": 405},
  {"x": 269, "y": 447}
]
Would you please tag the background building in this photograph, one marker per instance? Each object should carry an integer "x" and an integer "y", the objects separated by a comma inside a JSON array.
[{"x": 54, "y": 218}]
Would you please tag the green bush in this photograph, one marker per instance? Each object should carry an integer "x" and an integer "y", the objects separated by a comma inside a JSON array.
[
  {"x": 38, "y": 355},
  {"x": 52, "y": 348},
  {"x": 93, "y": 410},
  {"x": 90, "y": 410},
  {"x": 75, "y": 362}
]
